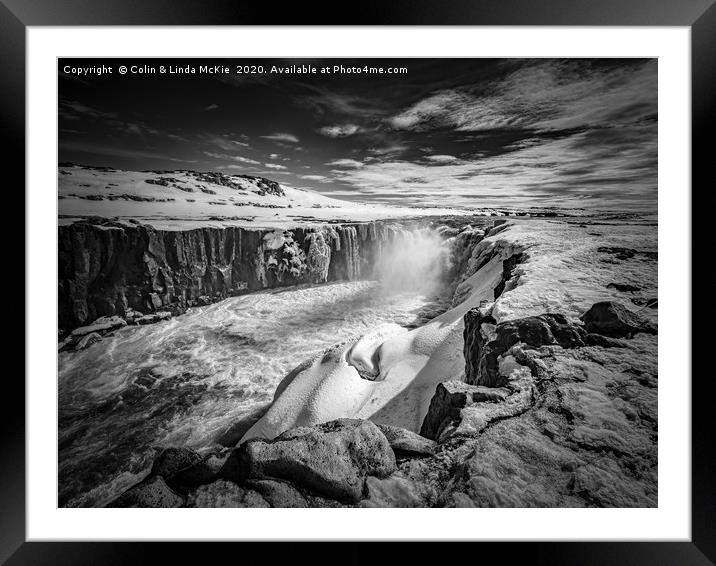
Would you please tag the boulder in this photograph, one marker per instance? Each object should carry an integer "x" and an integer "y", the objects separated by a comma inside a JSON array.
[
  {"x": 618, "y": 252},
  {"x": 151, "y": 492},
  {"x": 406, "y": 443},
  {"x": 131, "y": 315},
  {"x": 278, "y": 494},
  {"x": 87, "y": 340},
  {"x": 623, "y": 287},
  {"x": 207, "y": 470},
  {"x": 615, "y": 320},
  {"x": 394, "y": 491},
  {"x": 100, "y": 326},
  {"x": 332, "y": 459},
  {"x": 450, "y": 398},
  {"x": 173, "y": 460},
  {"x": 152, "y": 318},
  {"x": 222, "y": 493},
  {"x": 154, "y": 301}
]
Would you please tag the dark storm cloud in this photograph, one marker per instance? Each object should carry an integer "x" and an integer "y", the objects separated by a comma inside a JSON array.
[{"x": 451, "y": 132}]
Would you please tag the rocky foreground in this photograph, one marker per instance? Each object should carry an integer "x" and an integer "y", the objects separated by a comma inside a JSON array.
[{"x": 551, "y": 412}]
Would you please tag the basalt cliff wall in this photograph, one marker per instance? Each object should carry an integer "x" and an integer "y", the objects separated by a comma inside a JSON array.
[{"x": 107, "y": 268}]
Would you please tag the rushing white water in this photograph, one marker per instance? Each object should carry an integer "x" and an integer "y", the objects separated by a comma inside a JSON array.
[
  {"x": 189, "y": 380},
  {"x": 416, "y": 260}
]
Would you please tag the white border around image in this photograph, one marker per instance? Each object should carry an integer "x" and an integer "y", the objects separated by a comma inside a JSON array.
[{"x": 669, "y": 521}]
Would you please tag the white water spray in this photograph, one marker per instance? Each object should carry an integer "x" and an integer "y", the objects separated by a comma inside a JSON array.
[{"x": 413, "y": 261}]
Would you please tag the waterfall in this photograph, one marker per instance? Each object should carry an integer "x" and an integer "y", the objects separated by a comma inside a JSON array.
[
  {"x": 412, "y": 260},
  {"x": 104, "y": 270},
  {"x": 350, "y": 236},
  {"x": 345, "y": 259}
]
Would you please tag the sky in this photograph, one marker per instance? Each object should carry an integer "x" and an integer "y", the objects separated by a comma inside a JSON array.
[{"x": 575, "y": 133}]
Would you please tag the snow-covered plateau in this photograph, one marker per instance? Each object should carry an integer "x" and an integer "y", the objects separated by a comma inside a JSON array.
[
  {"x": 354, "y": 358},
  {"x": 181, "y": 200}
]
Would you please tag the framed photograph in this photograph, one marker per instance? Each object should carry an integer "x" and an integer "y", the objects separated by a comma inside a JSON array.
[{"x": 425, "y": 275}]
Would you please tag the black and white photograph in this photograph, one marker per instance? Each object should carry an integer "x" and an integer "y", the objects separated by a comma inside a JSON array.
[{"x": 367, "y": 283}]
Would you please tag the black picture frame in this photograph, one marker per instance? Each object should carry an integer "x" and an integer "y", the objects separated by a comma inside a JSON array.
[{"x": 17, "y": 15}]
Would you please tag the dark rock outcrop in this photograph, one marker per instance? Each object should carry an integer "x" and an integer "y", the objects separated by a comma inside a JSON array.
[
  {"x": 173, "y": 460},
  {"x": 107, "y": 268},
  {"x": 623, "y": 287},
  {"x": 100, "y": 326},
  {"x": 202, "y": 472},
  {"x": 450, "y": 398},
  {"x": 406, "y": 443},
  {"x": 508, "y": 267},
  {"x": 87, "y": 340},
  {"x": 152, "y": 318},
  {"x": 615, "y": 320},
  {"x": 486, "y": 341},
  {"x": 84, "y": 336},
  {"x": 627, "y": 253},
  {"x": 331, "y": 459},
  {"x": 223, "y": 493},
  {"x": 152, "y": 492},
  {"x": 278, "y": 494},
  {"x": 184, "y": 469}
]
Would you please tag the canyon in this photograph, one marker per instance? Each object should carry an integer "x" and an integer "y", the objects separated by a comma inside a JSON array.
[{"x": 106, "y": 268}]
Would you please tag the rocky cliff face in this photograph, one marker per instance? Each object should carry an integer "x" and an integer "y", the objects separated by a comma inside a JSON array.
[{"x": 107, "y": 268}]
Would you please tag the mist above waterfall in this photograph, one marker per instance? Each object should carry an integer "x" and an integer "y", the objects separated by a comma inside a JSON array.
[{"x": 414, "y": 260}]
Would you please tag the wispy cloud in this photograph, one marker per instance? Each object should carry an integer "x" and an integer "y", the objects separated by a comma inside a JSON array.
[
  {"x": 210, "y": 107},
  {"x": 226, "y": 157},
  {"x": 132, "y": 128},
  {"x": 274, "y": 166},
  {"x": 322, "y": 101},
  {"x": 339, "y": 131},
  {"x": 553, "y": 95},
  {"x": 350, "y": 163},
  {"x": 282, "y": 137},
  {"x": 441, "y": 158},
  {"x": 387, "y": 150},
  {"x": 321, "y": 178},
  {"x": 605, "y": 165},
  {"x": 73, "y": 109},
  {"x": 225, "y": 142}
]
